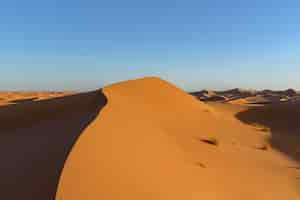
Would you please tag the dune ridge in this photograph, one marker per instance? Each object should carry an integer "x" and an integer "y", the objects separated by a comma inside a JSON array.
[
  {"x": 150, "y": 142},
  {"x": 240, "y": 96},
  {"x": 147, "y": 139}
]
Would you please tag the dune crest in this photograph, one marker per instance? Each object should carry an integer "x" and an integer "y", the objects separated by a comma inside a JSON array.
[{"x": 154, "y": 141}]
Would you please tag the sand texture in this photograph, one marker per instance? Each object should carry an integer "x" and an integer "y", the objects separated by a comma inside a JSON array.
[{"x": 147, "y": 139}]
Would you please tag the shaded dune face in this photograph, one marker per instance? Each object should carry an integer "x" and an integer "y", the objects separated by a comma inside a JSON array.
[
  {"x": 283, "y": 121},
  {"x": 36, "y": 137}
]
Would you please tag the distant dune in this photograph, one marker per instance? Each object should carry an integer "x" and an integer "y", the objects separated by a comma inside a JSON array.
[
  {"x": 8, "y": 98},
  {"x": 239, "y": 96},
  {"x": 147, "y": 139}
]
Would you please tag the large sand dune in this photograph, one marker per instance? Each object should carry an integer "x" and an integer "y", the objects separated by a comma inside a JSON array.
[
  {"x": 154, "y": 141},
  {"x": 147, "y": 139}
]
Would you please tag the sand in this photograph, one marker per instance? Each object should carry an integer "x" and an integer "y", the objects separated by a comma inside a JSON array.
[
  {"x": 35, "y": 139},
  {"x": 147, "y": 139},
  {"x": 154, "y": 141},
  {"x": 242, "y": 97}
]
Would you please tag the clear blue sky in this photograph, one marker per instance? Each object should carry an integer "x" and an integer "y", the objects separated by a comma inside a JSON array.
[{"x": 84, "y": 44}]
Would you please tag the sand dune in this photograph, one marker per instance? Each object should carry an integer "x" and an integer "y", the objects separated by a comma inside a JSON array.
[
  {"x": 19, "y": 97},
  {"x": 154, "y": 141},
  {"x": 35, "y": 139},
  {"x": 283, "y": 121},
  {"x": 147, "y": 139},
  {"x": 239, "y": 96}
]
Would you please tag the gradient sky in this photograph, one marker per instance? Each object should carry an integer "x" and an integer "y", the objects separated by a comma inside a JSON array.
[{"x": 85, "y": 44}]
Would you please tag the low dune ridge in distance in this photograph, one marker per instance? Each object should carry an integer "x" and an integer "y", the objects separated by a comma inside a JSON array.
[
  {"x": 208, "y": 95},
  {"x": 19, "y": 97},
  {"x": 154, "y": 141},
  {"x": 240, "y": 96}
]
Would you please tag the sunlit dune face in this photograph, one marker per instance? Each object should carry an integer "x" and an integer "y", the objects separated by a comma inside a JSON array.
[
  {"x": 154, "y": 141},
  {"x": 148, "y": 139}
]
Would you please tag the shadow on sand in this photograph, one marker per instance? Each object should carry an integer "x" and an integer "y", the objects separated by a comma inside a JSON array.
[
  {"x": 283, "y": 121},
  {"x": 35, "y": 140},
  {"x": 24, "y": 100}
]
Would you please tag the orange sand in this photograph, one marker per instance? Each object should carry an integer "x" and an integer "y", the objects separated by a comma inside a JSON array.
[
  {"x": 146, "y": 139},
  {"x": 148, "y": 142}
]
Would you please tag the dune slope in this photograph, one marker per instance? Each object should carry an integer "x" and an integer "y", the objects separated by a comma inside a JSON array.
[
  {"x": 283, "y": 121},
  {"x": 35, "y": 139},
  {"x": 154, "y": 141}
]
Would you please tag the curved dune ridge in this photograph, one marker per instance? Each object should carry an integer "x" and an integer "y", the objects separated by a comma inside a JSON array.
[{"x": 154, "y": 141}]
